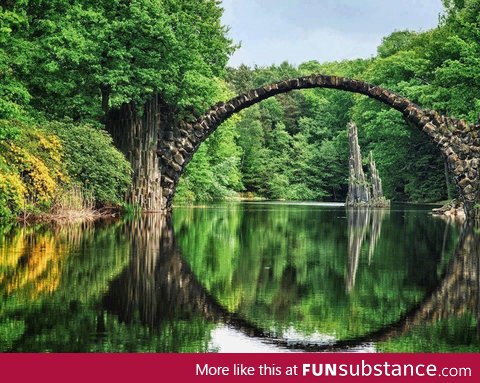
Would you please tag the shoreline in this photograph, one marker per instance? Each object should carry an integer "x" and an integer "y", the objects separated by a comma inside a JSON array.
[
  {"x": 91, "y": 215},
  {"x": 70, "y": 216}
]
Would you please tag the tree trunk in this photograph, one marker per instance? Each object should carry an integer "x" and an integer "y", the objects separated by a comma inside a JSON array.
[
  {"x": 377, "y": 190},
  {"x": 358, "y": 190},
  {"x": 136, "y": 134}
]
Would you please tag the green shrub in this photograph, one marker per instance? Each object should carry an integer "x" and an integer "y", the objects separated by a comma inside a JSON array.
[
  {"x": 92, "y": 161},
  {"x": 8, "y": 130},
  {"x": 41, "y": 161}
]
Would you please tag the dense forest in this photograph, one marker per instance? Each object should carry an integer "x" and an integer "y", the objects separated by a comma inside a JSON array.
[{"x": 65, "y": 64}]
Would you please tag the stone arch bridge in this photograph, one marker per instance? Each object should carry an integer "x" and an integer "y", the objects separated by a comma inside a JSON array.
[{"x": 154, "y": 141}]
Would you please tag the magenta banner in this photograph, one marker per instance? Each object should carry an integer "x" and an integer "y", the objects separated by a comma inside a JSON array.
[{"x": 286, "y": 367}]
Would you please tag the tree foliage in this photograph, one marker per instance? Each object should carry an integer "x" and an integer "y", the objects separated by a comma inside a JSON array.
[
  {"x": 76, "y": 59},
  {"x": 73, "y": 60},
  {"x": 294, "y": 146},
  {"x": 81, "y": 56}
]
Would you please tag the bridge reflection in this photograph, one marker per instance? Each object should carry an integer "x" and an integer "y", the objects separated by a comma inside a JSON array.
[
  {"x": 159, "y": 285},
  {"x": 457, "y": 294}
]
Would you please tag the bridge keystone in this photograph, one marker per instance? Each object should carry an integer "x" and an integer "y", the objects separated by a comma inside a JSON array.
[
  {"x": 320, "y": 81},
  {"x": 295, "y": 83}
]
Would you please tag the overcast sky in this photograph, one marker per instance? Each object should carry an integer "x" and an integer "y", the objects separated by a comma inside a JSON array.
[{"x": 272, "y": 31}]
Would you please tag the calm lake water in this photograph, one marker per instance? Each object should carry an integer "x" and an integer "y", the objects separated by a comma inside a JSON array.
[{"x": 243, "y": 277}]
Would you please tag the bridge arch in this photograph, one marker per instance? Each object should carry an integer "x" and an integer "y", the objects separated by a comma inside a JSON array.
[{"x": 458, "y": 141}]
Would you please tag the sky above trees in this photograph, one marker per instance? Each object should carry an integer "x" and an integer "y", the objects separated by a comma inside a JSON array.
[{"x": 272, "y": 31}]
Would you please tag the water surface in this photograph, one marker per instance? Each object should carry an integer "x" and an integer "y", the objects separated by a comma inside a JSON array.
[{"x": 243, "y": 277}]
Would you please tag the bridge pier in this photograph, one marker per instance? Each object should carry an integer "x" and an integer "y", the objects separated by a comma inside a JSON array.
[
  {"x": 463, "y": 161},
  {"x": 136, "y": 133},
  {"x": 472, "y": 210},
  {"x": 471, "y": 192}
]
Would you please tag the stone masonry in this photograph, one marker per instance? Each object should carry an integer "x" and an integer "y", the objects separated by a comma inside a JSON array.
[{"x": 457, "y": 140}]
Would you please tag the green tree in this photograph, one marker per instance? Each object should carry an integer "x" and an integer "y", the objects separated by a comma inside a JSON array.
[
  {"x": 14, "y": 61},
  {"x": 93, "y": 55}
]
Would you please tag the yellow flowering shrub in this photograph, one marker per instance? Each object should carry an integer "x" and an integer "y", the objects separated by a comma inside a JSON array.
[
  {"x": 52, "y": 147},
  {"x": 31, "y": 170},
  {"x": 12, "y": 192},
  {"x": 36, "y": 177},
  {"x": 40, "y": 162}
]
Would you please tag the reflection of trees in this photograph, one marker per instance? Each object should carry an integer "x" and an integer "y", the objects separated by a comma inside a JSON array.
[
  {"x": 30, "y": 264},
  {"x": 158, "y": 304},
  {"x": 41, "y": 261},
  {"x": 456, "y": 295},
  {"x": 159, "y": 285},
  {"x": 51, "y": 279},
  {"x": 288, "y": 264},
  {"x": 361, "y": 222}
]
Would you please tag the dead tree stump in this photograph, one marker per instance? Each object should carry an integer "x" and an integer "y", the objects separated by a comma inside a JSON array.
[
  {"x": 358, "y": 190},
  {"x": 363, "y": 192}
]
